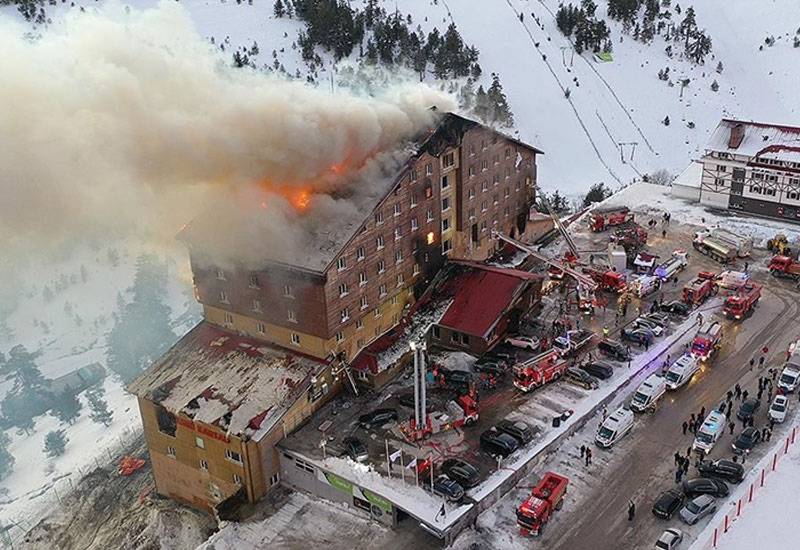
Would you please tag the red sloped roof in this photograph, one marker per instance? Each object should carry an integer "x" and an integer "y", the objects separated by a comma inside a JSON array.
[{"x": 481, "y": 297}]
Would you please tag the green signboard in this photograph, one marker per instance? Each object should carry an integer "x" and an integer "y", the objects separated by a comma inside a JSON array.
[
  {"x": 341, "y": 484},
  {"x": 377, "y": 500}
]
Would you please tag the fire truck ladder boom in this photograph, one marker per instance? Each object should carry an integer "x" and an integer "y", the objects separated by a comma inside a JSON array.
[{"x": 563, "y": 230}]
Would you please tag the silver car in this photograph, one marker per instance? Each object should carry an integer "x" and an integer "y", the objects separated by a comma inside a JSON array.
[
  {"x": 698, "y": 508},
  {"x": 670, "y": 539}
]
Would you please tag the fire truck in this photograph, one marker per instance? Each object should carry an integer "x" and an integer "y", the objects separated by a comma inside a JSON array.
[
  {"x": 707, "y": 341},
  {"x": 546, "y": 497},
  {"x": 539, "y": 370},
  {"x": 610, "y": 280},
  {"x": 572, "y": 341},
  {"x": 699, "y": 289},
  {"x": 600, "y": 220},
  {"x": 719, "y": 250},
  {"x": 461, "y": 412},
  {"x": 741, "y": 305},
  {"x": 784, "y": 266}
]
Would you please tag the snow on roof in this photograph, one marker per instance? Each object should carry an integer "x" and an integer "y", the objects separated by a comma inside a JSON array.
[
  {"x": 691, "y": 176},
  {"x": 756, "y": 137},
  {"x": 235, "y": 383},
  {"x": 481, "y": 294}
]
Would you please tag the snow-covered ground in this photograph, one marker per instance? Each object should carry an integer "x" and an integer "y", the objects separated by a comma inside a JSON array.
[{"x": 66, "y": 346}]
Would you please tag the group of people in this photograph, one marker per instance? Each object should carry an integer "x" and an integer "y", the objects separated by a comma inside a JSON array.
[
  {"x": 694, "y": 422},
  {"x": 586, "y": 455},
  {"x": 682, "y": 464}
]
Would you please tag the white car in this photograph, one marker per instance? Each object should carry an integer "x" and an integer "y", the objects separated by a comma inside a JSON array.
[
  {"x": 669, "y": 539},
  {"x": 777, "y": 411},
  {"x": 524, "y": 342},
  {"x": 654, "y": 327}
]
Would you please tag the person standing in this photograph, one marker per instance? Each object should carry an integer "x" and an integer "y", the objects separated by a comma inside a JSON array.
[
  {"x": 744, "y": 395},
  {"x": 684, "y": 426},
  {"x": 738, "y": 391},
  {"x": 583, "y": 451},
  {"x": 702, "y": 412},
  {"x": 588, "y": 456},
  {"x": 631, "y": 510},
  {"x": 731, "y": 427}
]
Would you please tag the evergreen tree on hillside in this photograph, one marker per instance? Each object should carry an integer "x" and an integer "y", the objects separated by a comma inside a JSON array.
[
  {"x": 55, "y": 443},
  {"x": 688, "y": 26},
  {"x": 500, "y": 111},
  {"x": 597, "y": 193},
  {"x": 66, "y": 407},
  {"x": 29, "y": 395},
  {"x": 278, "y": 9},
  {"x": 6, "y": 459}
]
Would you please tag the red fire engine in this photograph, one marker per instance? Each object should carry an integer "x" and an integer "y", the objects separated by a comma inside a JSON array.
[
  {"x": 539, "y": 370},
  {"x": 600, "y": 220},
  {"x": 699, "y": 289},
  {"x": 741, "y": 304},
  {"x": 546, "y": 497},
  {"x": 610, "y": 280},
  {"x": 707, "y": 341},
  {"x": 784, "y": 266}
]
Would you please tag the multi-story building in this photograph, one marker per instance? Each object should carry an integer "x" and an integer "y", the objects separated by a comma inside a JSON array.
[
  {"x": 754, "y": 168},
  {"x": 464, "y": 181}
]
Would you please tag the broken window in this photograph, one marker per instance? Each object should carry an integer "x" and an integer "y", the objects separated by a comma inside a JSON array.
[
  {"x": 254, "y": 281},
  {"x": 233, "y": 456},
  {"x": 166, "y": 421}
]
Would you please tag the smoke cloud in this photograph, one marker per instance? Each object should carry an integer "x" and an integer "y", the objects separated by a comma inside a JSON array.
[{"x": 128, "y": 121}]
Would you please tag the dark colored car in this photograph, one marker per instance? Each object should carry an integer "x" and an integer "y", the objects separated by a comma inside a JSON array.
[
  {"x": 614, "y": 349},
  {"x": 377, "y": 418},
  {"x": 462, "y": 471},
  {"x": 517, "y": 429},
  {"x": 748, "y": 408},
  {"x": 457, "y": 378},
  {"x": 661, "y": 319},
  {"x": 598, "y": 369},
  {"x": 748, "y": 439},
  {"x": 406, "y": 399},
  {"x": 668, "y": 503},
  {"x": 581, "y": 378},
  {"x": 676, "y": 308},
  {"x": 491, "y": 368},
  {"x": 728, "y": 470},
  {"x": 705, "y": 486},
  {"x": 498, "y": 443},
  {"x": 637, "y": 335},
  {"x": 447, "y": 488},
  {"x": 355, "y": 449}
]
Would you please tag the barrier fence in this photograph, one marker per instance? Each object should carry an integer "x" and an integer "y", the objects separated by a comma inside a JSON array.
[{"x": 768, "y": 464}]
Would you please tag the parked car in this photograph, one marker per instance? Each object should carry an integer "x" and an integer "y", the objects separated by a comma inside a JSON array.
[
  {"x": 462, "y": 471},
  {"x": 655, "y": 328},
  {"x": 777, "y": 411},
  {"x": 614, "y": 349},
  {"x": 748, "y": 439},
  {"x": 355, "y": 449},
  {"x": 669, "y": 539},
  {"x": 661, "y": 319},
  {"x": 748, "y": 408},
  {"x": 728, "y": 470},
  {"x": 525, "y": 342},
  {"x": 445, "y": 487},
  {"x": 581, "y": 378},
  {"x": 498, "y": 443},
  {"x": 698, "y": 508},
  {"x": 519, "y": 430},
  {"x": 457, "y": 379},
  {"x": 377, "y": 418},
  {"x": 668, "y": 503},
  {"x": 598, "y": 369},
  {"x": 705, "y": 486},
  {"x": 491, "y": 368},
  {"x": 406, "y": 399},
  {"x": 676, "y": 308},
  {"x": 636, "y": 335}
]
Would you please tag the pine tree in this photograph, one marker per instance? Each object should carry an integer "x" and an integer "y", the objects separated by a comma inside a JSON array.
[
  {"x": 719, "y": 67},
  {"x": 688, "y": 26},
  {"x": 99, "y": 408},
  {"x": 500, "y": 111},
  {"x": 66, "y": 407},
  {"x": 278, "y": 9},
  {"x": 714, "y": 86},
  {"x": 6, "y": 458},
  {"x": 597, "y": 193},
  {"x": 55, "y": 443}
]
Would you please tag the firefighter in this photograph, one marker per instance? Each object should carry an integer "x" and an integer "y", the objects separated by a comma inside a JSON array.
[{"x": 605, "y": 332}]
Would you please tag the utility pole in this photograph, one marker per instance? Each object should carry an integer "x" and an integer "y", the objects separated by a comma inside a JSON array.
[
  {"x": 563, "y": 60},
  {"x": 621, "y": 144}
]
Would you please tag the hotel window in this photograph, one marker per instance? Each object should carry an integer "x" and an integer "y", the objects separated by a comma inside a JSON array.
[
  {"x": 295, "y": 339},
  {"x": 429, "y": 238},
  {"x": 359, "y": 324},
  {"x": 237, "y": 479},
  {"x": 429, "y": 216},
  {"x": 223, "y": 297},
  {"x": 414, "y": 224},
  {"x": 416, "y": 269},
  {"x": 484, "y": 165},
  {"x": 414, "y": 199},
  {"x": 376, "y": 312},
  {"x": 471, "y": 213},
  {"x": 506, "y": 192},
  {"x": 233, "y": 456},
  {"x": 496, "y": 179},
  {"x": 398, "y": 233},
  {"x": 204, "y": 465},
  {"x": 448, "y": 160},
  {"x": 364, "y": 302},
  {"x": 291, "y": 315},
  {"x": 378, "y": 217},
  {"x": 228, "y": 318},
  {"x": 393, "y": 300},
  {"x": 399, "y": 279},
  {"x": 483, "y": 226},
  {"x": 471, "y": 171},
  {"x": 414, "y": 175},
  {"x": 382, "y": 291},
  {"x": 288, "y": 291},
  {"x": 428, "y": 190},
  {"x": 397, "y": 209},
  {"x": 496, "y": 159},
  {"x": 381, "y": 266},
  {"x": 495, "y": 198},
  {"x": 792, "y": 195},
  {"x": 171, "y": 452},
  {"x": 484, "y": 187},
  {"x": 398, "y": 256},
  {"x": 445, "y": 224},
  {"x": 221, "y": 275},
  {"x": 506, "y": 211},
  {"x": 362, "y": 278},
  {"x": 484, "y": 206},
  {"x": 516, "y": 186},
  {"x": 379, "y": 244},
  {"x": 471, "y": 149},
  {"x": 508, "y": 173},
  {"x": 339, "y": 336},
  {"x": 722, "y": 168},
  {"x": 261, "y": 328},
  {"x": 344, "y": 315},
  {"x": 360, "y": 253},
  {"x": 257, "y": 306},
  {"x": 445, "y": 182},
  {"x": 472, "y": 192},
  {"x": 341, "y": 264},
  {"x": 274, "y": 480},
  {"x": 508, "y": 152},
  {"x": 483, "y": 144},
  {"x": 428, "y": 169},
  {"x": 198, "y": 441},
  {"x": 445, "y": 204},
  {"x": 343, "y": 289},
  {"x": 360, "y": 343},
  {"x": 254, "y": 281},
  {"x": 447, "y": 246}
]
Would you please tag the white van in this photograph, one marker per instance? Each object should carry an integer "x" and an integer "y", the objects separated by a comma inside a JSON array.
[
  {"x": 732, "y": 279},
  {"x": 708, "y": 434},
  {"x": 648, "y": 393},
  {"x": 614, "y": 428},
  {"x": 789, "y": 379},
  {"x": 682, "y": 371},
  {"x": 644, "y": 285}
]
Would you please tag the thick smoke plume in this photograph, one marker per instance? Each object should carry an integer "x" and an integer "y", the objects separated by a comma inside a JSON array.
[{"x": 121, "y": 121}]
